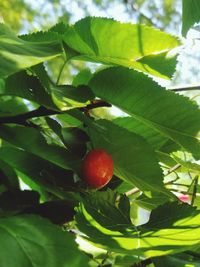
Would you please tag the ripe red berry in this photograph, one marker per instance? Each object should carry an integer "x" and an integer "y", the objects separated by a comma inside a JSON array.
[{"x": 97, "y": 168}]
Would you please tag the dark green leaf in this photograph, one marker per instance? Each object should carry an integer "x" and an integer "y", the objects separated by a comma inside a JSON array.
[
  {"x": 154, "y": 138},
  {"x": 163, "y": 111},
  {"x": 149, "y": 203},
  {"x": 33, "y": 241},
  {"x": 82, "y": 78},
  {"x": 126, "y": 260},
  {"x": 45, "y": 174},
  {"x": 64, "y": 96},
  {"x": 28, "y": 87},
  {"x": 67, "y": 96},
  {"x": 10, "y": 105},
  {"x": 75, "y": 140},
  {"x": 177, "y": 260},
  {"x": 8, "y": 176},
  {"x": 173, "y": 213},
  {"x": 108, "y": 211},
  {"x": 34, "y": 142},
  {"x": 190, "y": 14},
  {"x": 134, "y": 159}
]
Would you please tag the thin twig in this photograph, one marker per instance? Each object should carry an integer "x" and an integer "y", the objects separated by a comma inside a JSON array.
[
  {"x": 136, "y": 9},
  {"x": 185, "y": 88},
  {"x": 177, "y": 184},
  {"x": 172, "y": 169},
  {"x": 43, "y": 111},
  {"x": 132, "y": 191}
]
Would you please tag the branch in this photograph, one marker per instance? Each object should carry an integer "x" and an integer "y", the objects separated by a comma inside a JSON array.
[
  {"x": 42, "y": 112},
  {"x": 95, "y": 104},
  {"x": 185, "y": 88},
  {"x": 136, "y": 8},
  {"x": 22, "y": 118},
  {"x": 142, "y": 15},
  {"x": 172, "y": 169}
]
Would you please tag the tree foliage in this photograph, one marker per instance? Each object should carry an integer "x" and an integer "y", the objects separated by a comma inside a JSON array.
[{"x": 47, "y": 127}]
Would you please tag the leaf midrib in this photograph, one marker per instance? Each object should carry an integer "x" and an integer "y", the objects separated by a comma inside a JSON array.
[{"x": 19, "y": 243}]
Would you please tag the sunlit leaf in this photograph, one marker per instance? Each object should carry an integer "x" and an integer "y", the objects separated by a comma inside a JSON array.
[
  {"x": 172, "y": 228},
  {"x": 131, "y": 45}
]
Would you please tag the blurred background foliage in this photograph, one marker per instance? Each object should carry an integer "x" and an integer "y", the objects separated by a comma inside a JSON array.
[{"x": 23, "y": 15}]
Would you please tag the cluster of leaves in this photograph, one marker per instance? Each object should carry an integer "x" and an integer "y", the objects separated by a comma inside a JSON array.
[{"x": 46, "y": 129}]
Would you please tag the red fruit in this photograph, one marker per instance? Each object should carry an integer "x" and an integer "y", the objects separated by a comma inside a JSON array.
[
  {"x": 184, "y": 198},
  {"x": 97, "y": 168}
]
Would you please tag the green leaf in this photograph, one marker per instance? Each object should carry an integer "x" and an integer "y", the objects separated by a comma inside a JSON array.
[
  {"x": 190, "y": 14},
  {"x": 72, "y": 137},
  {"x": 171, "y": 115},
  {"x": 75, "y": 140},
  {"x": 43, "y": 91},
  {"x": 175, "y": 214},
  {"x": 17, "y": 54},
  {"x": 161, "y": 65},
  {"x": 134, "y": 159},
  {"x": 109, "y": 210},
  {"x": 64, "y": 96},
  {"x": 190, "y": 166},
  {"x": 10, "y": 106},
  {"x": 154, "y": 138},
  {"x": 34, "y": 241},
  {"x": 40, "y": 36},
  {"x": 110, "y": 42},
  {"x": 126, "y": 260},
  {"x": 59, "y": 28},
  {"x": 28, "y": 87},
  {"x": 149, "y": 203},
  {"x": 177, "y": 260},
  {"x": 82, "y": 78},
  {"x": 172, "y": 228},
  {"x": 32, "y": 184},
  {"x": 166, "y": 159},
  {"x": 8, "y": 176},
  {"x": 68, "y": 120},
  {"x": 43, "y": 173},
  {"x": 34, "y": 142}
]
